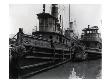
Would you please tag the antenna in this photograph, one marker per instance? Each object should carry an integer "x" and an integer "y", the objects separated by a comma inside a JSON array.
[{"x": 43, "y": 8}]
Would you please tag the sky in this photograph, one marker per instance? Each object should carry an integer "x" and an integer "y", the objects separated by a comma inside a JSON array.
[{"x": 24, "y": 16}]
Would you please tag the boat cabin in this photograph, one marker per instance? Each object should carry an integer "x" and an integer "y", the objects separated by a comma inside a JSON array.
[{"x": 90, "y": 37}]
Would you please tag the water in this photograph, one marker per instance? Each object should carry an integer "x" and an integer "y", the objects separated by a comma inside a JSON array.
[{"x": 80, "y": 70}]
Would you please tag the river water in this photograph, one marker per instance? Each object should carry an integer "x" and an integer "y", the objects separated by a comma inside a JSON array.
[{"x": 77, "y": 70}]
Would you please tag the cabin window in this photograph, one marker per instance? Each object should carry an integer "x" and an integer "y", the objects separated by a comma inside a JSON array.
[
  {"x": 57, "y": 37},
  {"x": 60, "y": 39},
  {"x": 66, "y": 41},
  {"x": 51, "y": 37},
  {"x": 40, "y": 36},
  {"x": 55, "y": 28},
  {"x": 91, "y": 31},
  {"x": 63, "y": 40}
]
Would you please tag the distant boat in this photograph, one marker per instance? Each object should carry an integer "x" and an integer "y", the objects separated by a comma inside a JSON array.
[{"x": 92, "y": 42}]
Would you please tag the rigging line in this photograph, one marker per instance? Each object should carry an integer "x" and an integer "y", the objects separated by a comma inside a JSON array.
[{"x": 14, "y": 36}]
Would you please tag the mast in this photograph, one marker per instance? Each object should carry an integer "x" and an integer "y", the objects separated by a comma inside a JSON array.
[
  {"x": 62, "y": 25},
  {"x": 69, "y": 15}
]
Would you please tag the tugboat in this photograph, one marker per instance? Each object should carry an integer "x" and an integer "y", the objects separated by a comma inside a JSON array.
[
  {"x": 92, "y": 43},
  {"x": 44, "y": 48},
  {"x": 49, "y": 36}
]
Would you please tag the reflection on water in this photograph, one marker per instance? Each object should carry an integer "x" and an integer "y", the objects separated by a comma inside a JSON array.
[
  {"x": 86, "y": 70},
  {"x": 70, "y": 70}
]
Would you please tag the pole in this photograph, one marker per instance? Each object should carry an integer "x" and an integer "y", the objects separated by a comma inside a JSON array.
[
  {"x": 69, "y": 15},
  {"x": 62, "y": 25}
]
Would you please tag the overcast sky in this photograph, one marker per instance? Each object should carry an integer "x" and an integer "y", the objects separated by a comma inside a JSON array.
[{"x": 24, "y": 16}]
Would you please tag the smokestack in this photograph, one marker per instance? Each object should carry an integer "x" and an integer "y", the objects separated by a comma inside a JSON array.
[
  {"x": 21, "y": 30},
  {"x": 54, "y": 10}
]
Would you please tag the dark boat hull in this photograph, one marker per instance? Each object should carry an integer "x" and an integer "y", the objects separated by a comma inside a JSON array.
[{"x": 93, "y": 54}]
